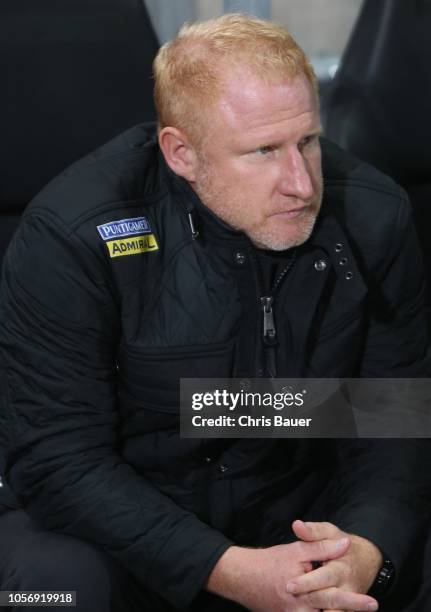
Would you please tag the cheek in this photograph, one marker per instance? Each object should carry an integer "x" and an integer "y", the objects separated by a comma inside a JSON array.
[
  {"x": 262, "y": 182},
  {"x": 251, "y": 187},
  {"x": 249, "y": 190}
]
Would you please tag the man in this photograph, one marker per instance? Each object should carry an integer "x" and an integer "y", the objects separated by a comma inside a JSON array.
[{"x": 144, "y": 263}]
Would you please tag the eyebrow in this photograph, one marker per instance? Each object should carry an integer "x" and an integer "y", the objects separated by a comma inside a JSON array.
[
  {"x": 275, "y": 142},
  {"x": 315, "y": 132}
]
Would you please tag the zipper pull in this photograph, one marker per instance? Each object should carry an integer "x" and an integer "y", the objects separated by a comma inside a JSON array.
[
  {"x": 194, "y": 230},
  {"x": 269, "y": 333}
]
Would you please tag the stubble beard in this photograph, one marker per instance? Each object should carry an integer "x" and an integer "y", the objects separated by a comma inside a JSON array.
[
  {"x": 274, "y": 240},
  {"x": 267, "y": 236}
]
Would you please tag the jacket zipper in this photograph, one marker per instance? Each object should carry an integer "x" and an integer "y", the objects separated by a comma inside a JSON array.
[{"x": 269, "y": 330}]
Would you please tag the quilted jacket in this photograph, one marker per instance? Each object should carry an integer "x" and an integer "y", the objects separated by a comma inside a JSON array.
[{"x": 119, "y": 282}]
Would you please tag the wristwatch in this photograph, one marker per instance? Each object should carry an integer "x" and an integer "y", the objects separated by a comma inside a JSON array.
[{"x": 384, "y": 579}]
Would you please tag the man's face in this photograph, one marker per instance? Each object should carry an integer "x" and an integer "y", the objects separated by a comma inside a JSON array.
[{"x": 259, "y": 166}]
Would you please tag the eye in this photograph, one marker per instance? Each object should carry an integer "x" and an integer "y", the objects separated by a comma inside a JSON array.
[
  {"x": 265, "y": 150},
  {"x": 307, "y": 140}
]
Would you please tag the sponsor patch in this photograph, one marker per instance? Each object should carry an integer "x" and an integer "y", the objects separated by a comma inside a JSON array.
[
  {"x": 132, "y": 246},
  {"x": 124, "y": 227}
]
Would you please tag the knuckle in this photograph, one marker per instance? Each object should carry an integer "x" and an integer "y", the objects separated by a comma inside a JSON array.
[
  {"x": 302, "y": 551},
  {"x": 331, "y": 595},
  {"x": 349, "y": 571},
  {"x": 298, "y": 548},
  {"x": 324, "y": 546},
  {"x": 332, "y": 574}
]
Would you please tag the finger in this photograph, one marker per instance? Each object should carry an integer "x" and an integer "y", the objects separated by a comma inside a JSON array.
[
  {"x": 323, "y": 550},
  {"x": 337, "y": 599},
  {"x": 295, "y": 604},
  {"x": 321, "y": 578},
  {"x": 310, "y": 532}
]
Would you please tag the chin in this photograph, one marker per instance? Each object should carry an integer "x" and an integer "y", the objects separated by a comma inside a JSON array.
[
  {"x": 278, "y": 245},
  {"x": 281, "y": 241}
]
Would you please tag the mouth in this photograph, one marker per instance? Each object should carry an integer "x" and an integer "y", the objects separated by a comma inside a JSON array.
[{"x": 293, "y": 213}]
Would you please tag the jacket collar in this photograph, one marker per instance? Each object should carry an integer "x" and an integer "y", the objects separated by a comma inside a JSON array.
[
  {"x": 207, "y": 223},
  {"x": 328, "y": 234}
]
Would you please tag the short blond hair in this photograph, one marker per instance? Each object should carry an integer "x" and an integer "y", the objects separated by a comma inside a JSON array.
[{"x": 188, "y": 70}]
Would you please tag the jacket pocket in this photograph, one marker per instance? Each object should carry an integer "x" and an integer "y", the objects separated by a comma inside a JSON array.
[{"x": 150, "y": 379}]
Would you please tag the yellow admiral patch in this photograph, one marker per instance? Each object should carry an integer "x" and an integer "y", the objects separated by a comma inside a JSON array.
[{"x": 132, "y": 246}]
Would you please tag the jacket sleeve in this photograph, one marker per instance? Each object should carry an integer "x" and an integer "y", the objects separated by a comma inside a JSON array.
[
  {"x": 58, "y": 335},
  {"x": 383, "y": 487}
]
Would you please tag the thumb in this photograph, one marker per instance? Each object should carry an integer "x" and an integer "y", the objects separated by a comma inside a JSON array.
[
  {"x": 303, "y": 532},
  {"x": 323, "y": 550},
  {"x": 311, "y": 532}
]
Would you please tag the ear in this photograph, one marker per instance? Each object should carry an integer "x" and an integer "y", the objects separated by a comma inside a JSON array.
[{"x": 179, "y": 153}]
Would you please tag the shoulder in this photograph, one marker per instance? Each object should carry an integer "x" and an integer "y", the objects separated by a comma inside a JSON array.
[
  {"x": 122, "y": 171},
  {"x": 374, "y": 211},
  {"x": 349, "y": 180},
  {"x": 64, "y": 230}
]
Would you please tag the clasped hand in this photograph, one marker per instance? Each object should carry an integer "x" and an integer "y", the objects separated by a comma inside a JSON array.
[
  {"x": 339, "y": 583},
  {"x": 282, "y": 579}
]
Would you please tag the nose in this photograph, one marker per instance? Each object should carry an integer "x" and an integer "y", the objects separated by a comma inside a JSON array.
[{"x": 296, "y": 178}]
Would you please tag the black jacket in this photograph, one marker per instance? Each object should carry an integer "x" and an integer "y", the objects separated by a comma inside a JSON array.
[{"x": 97, "y": 328}]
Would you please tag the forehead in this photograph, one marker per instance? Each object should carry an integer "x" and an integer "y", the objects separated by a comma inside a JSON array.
[{"x": 251, "y": 106}]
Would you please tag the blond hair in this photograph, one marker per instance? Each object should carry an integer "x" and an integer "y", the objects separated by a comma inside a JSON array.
[{"x": 188, "y": 71}]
